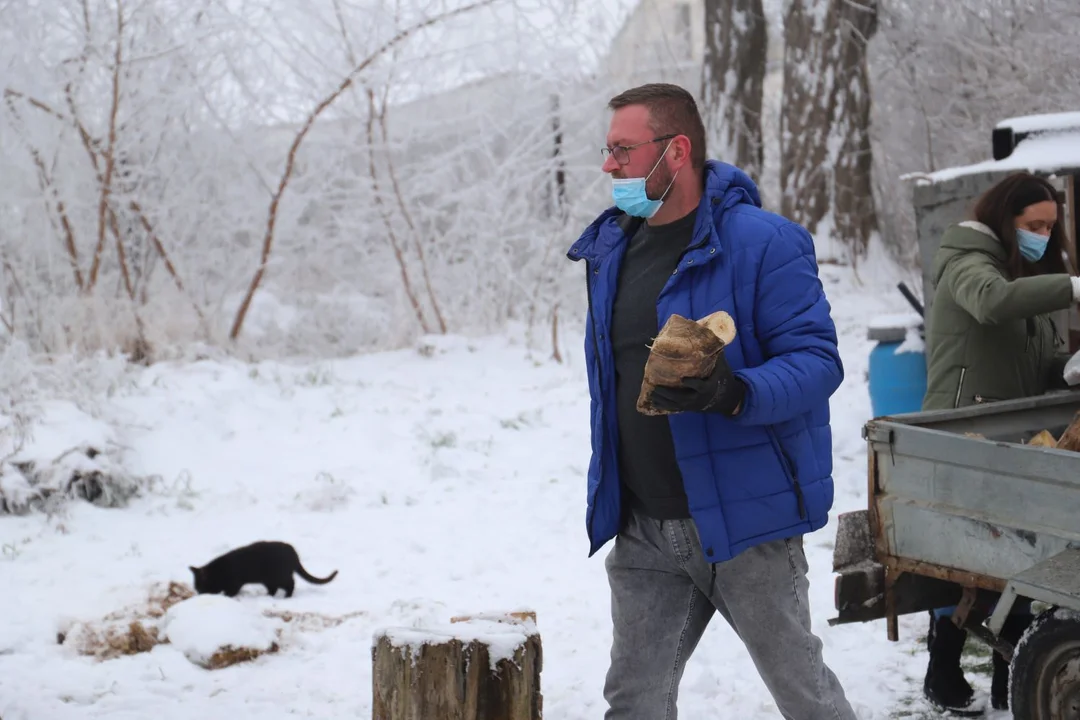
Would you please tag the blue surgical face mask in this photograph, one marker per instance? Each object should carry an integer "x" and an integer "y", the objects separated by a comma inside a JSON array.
[
  {"x": 1032, "y": 245},
  {"x": 629, "y": 193}
]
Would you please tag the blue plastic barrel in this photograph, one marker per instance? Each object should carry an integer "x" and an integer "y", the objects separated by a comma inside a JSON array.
[{"x": 897, "y": 379}]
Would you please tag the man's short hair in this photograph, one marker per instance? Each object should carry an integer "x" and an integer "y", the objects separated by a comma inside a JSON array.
[{"x": 671, "y": 110}]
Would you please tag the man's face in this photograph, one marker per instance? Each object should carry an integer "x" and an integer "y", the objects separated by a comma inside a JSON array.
[{"x": 630, "y": 126}]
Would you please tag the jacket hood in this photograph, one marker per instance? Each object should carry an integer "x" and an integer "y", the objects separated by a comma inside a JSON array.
[
  {"x": 730, "y": 184},
  {"x": 965, "y": 237}
]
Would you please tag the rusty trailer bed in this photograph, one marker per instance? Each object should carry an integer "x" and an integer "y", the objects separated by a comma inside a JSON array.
[{"x": 957, "y": 500}]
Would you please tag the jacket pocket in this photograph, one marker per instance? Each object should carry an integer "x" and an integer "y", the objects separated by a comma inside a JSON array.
[{"x": 789, "y": 470}]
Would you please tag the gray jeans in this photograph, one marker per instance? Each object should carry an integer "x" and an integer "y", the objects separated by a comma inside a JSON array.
[{"x": 663, "y": 595}]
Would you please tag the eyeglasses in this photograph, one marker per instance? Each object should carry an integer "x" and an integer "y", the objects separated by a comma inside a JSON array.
[{"x": 621, "y": 153}]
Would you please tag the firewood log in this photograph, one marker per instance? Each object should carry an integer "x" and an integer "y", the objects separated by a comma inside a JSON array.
[{"x": 684, "y": 348}]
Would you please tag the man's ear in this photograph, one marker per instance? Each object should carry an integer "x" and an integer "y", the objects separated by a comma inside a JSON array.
[{"x": 680, "y": 148}]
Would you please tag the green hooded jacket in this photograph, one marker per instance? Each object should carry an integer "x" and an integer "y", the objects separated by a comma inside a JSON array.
[{"x": 987, "y": 337}]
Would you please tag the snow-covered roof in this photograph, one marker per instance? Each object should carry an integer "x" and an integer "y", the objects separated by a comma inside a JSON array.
[
  {"x": 1046, "y": 153},
  {"x": 1039, "y": 123}
]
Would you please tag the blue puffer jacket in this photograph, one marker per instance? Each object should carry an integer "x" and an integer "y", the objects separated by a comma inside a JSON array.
[{"x": 766, "y": 473}]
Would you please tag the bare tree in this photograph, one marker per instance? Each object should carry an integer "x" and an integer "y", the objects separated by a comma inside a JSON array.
[
  {"x": 825, "y": 144},
  {"x": 375, "y": 115},
  {"x": 732, "y": 81},
  {"x": 110, "y": 158},
  {"x": 268, "y": 237}
]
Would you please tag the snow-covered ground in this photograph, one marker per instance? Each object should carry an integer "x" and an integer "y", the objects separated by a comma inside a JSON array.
[{"x": 440, "y": 482}]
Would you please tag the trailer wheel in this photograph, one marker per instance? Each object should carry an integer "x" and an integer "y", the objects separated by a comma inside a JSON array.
[{"x": 1045, "y": 671}]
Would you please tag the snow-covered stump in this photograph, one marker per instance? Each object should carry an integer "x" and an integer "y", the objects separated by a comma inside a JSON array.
[{"x": 480, "y": 667}]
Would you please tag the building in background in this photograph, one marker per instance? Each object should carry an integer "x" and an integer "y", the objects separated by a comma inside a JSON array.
[{"x": 661, "y": 41}]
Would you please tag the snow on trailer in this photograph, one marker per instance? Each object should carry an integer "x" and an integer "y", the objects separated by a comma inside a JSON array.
[
  {"x": 1008, "y": 133},
  {"x": 1046, "y": 154},
  {"x": 1042, "y": 122},
  {"x": 1047, "y": 145}
]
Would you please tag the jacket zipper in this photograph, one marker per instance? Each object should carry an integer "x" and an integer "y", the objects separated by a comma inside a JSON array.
[
  {"x": 790, "y": 467},
  {"x": 684, "y": 253},
  {"x": 960, "y": 388},
  {"x": 692, "y": 248},
  {"x": 596, "y": 358},
  {"x": 1058, "y": 340},
  {"x": 592, "y": 319}
]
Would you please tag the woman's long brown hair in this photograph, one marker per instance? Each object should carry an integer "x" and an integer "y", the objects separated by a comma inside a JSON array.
[{"x": 998, "y": 209}]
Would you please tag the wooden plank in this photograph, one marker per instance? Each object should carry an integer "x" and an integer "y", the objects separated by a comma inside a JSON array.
[{"x": 859, "y": 595}]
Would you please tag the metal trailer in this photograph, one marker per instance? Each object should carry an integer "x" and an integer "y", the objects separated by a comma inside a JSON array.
[{"x": 963, "y": 512}]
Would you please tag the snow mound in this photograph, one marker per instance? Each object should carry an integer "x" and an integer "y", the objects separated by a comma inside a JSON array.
[
  {"x": 83, "y": 472},
  {"x": 126, "y": 631},
  {"x": 214, "y": 631}
]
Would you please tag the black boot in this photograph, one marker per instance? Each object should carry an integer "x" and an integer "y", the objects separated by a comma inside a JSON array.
[
  {"x": 999, "y": 686},
  {"x": 1011, "y": 631},
  {"x": 945, "y": 686}
]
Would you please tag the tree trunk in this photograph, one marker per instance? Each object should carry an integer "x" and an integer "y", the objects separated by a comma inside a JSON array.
[
  {"x": 476, "y": 669},
  {"x": 733, "y": 80},
  {"x": 824, "y": 136},
  {"x": 558, "y": 203}
]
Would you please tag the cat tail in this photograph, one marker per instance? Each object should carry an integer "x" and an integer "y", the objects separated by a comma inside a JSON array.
[{"x": 311, "y": 578}]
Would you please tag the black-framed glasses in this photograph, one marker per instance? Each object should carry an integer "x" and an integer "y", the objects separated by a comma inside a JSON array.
[{"x": 621, "y": 153}]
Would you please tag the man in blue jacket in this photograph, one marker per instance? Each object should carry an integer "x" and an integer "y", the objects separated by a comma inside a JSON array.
[{"x": 708, "y": 504}]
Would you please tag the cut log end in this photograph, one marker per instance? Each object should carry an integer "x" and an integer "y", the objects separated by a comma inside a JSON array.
[
  {"x": 684, "y": 348},
  {"x": 1043, "y": 439},
  {"x": 1070, "y": 439},
  {"x": 477, "y": 667},
  {"x": 721, "y": 324}
]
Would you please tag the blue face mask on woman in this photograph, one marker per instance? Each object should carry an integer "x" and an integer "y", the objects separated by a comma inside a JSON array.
[
  {"x": 630, "y": 196},
  {"x": 1032, "y": 245}
]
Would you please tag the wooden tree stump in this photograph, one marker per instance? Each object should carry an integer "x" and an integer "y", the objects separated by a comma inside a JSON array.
[{"x": 480, "y": 667}]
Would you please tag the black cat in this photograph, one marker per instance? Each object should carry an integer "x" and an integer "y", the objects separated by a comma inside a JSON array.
[{"x": 268, "y": 563}]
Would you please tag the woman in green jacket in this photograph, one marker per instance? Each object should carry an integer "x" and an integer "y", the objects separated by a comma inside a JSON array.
[{"x": 990, "y": 336}]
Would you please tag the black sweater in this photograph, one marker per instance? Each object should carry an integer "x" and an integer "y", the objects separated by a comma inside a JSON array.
[{"x": 650, "y": 475}]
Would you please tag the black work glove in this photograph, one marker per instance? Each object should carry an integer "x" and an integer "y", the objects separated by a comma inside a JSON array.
[{"x": 721, "y": 392}]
